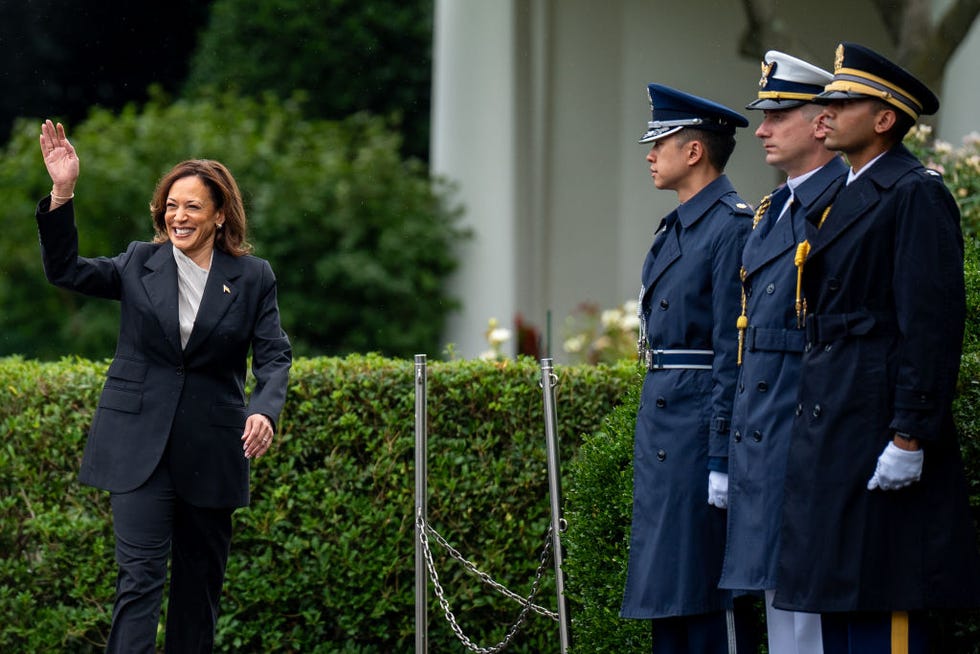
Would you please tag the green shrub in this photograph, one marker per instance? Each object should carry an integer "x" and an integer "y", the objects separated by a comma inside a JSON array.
[
  {"x": 361, "y": 241},
  {"x": 598, "y": 508},
  {"x": 323, "y": 559}
]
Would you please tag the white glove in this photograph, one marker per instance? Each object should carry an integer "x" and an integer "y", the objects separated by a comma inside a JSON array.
[
  {"x": 897, "y": 468},
  {"x": 718, "y": 489}
]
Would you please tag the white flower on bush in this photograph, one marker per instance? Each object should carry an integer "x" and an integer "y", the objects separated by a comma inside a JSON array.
[
  {"x": 575, "y": 344},
  {"x": 496, "y": 336},
  {"x": 593, "y": 335},
  {"x": 611, "y": 318}
]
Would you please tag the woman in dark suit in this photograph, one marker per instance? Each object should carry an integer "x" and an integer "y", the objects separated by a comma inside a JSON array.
[{"x": 173, "y": 434}]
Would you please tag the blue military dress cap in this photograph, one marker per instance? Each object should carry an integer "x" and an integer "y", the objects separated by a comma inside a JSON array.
[
  {"x": 673, "y": 110},
  {"x": 860, "y": 72},
  {"x": 788, "y": 82}
]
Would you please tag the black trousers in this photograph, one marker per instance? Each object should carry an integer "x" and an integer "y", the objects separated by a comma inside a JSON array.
[
  {"x": 153, "y": 525},
  {"x": 875, "y": 633},
  {"x": 719, "y": 632}
]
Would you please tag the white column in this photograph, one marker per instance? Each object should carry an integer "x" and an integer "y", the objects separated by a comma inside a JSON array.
[{"x": 473, "y": 142}]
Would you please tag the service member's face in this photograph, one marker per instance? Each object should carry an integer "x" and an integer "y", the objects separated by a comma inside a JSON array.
[
  {"x": 788, "y": 136},
  {"x": 850, "y": 124},
  {"x": 668, "y": 162},
  {"x": 192, "y": 219}
]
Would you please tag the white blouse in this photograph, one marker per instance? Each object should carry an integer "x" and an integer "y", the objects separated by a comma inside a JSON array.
[{"x": 191, "y": 279}]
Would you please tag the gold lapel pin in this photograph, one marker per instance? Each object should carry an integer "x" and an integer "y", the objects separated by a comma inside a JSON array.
[{"x": 225, "y": 288}]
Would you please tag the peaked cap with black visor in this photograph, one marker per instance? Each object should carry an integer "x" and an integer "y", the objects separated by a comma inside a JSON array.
[
  {"x": 672, "y": 110},
  {"x": 860, "y": 73},
  {"x": 788, "y": 82}
]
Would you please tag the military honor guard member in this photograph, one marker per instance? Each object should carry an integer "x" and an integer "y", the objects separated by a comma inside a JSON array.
[
  {"x": 876, "y": 525},
  {"x": 690, "y": 293},
  {"x": 771, "y": 337}
]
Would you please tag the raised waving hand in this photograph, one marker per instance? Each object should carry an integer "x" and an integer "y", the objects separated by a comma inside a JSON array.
[{"x": 60, "y": 160}]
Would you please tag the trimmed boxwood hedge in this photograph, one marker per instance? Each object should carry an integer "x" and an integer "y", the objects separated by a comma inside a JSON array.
[{"x": 323, "y": 559}]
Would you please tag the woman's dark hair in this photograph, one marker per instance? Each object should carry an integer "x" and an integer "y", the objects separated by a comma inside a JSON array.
[{"x": 230, "y": 238}]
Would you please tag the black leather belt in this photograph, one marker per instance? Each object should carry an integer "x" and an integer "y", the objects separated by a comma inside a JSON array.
[{"x": 678, "y": 359}]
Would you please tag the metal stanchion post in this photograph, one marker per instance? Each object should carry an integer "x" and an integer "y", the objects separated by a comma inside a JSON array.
[
  {"x": 421, "y": 508},
  {"x": 548, "y": 381}
]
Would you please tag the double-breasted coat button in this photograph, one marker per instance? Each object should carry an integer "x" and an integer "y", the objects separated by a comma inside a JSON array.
[
  {"x": 808, "y": 347},
  {"x": 771, "y": 288},
  {"x": 757, "y": 436},
  {"x": 661, "y": 455},
  {"x": 664, "y": 304},
  {"x": 816, "y": 410},
  {"x": 828, "y": 347},
  {"x": 799, "y": 409},
  {"x": 661, "y": 402},
  {"x": 180, "y": 370},
  {"x": 741, "y": 387},
  {"x": 833, "y": 284},
  {"x": 738, "y": 436},
  {"x": 762, "y": 387}
]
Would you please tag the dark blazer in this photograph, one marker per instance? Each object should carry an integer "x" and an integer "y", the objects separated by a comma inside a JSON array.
[
  {"x": 159, "y": 395},
  {"x": 885, "y": 293}
]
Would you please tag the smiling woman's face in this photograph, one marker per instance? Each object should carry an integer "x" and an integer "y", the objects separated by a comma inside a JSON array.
[{"x": 192, "y": 219}]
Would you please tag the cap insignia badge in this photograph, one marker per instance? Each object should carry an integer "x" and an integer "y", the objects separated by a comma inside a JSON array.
[
  {"x": 839, "y": 58},
  {"x": 766, "y": 72}
]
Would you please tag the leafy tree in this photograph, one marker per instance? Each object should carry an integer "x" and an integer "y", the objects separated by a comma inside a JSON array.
[
  {"x": 349, "y": 56},
  {"x": 923, "y": 44},
  {"x": 360, "y": 240}
]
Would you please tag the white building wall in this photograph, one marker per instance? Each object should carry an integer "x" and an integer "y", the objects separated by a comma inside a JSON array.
[
  {"x": 537, "y": 108},
  {"x": 473, "y": 143}
]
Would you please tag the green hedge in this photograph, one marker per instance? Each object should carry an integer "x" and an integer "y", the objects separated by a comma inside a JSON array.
[{"x": 323, "y": 560}]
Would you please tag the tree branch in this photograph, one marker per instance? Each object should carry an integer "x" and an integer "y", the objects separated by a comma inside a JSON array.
[{"x": 891, "y": 13}]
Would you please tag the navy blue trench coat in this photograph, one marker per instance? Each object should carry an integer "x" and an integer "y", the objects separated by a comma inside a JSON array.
[
  {"x": 765, "y": 397},
  {"x": 690, "y": 300},
  {"x": 884, "y": 285}
]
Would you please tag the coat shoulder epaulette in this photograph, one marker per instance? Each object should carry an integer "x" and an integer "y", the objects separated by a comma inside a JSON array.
[{"x": 739, "y": 207}]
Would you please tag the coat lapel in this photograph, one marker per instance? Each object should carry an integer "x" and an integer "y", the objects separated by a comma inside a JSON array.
[
  {"x": 855, "y": 200},
  {"x": 760, "y": 251},
  {"x": 220, "y": 293},
  {"x": 160, "y": 284},
  {"x": 669, "y": 252}
]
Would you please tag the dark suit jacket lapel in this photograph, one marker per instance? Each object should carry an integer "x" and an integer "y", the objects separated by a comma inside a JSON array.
[
  {"x": 161, "y": 289},
  {"x": 220, "y": 292}
]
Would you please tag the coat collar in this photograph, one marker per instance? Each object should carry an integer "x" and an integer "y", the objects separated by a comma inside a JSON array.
[
  {"x": 691, "y": 211},
  {"x": 813, "y": 193},
  {"x": 860, "y": 196},
  {"x": 688, "y": 214},
  {"x": 220, "y": 292}
]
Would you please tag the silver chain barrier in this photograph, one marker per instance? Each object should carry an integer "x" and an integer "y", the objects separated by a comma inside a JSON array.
[{"x": 425, "y": 530}]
